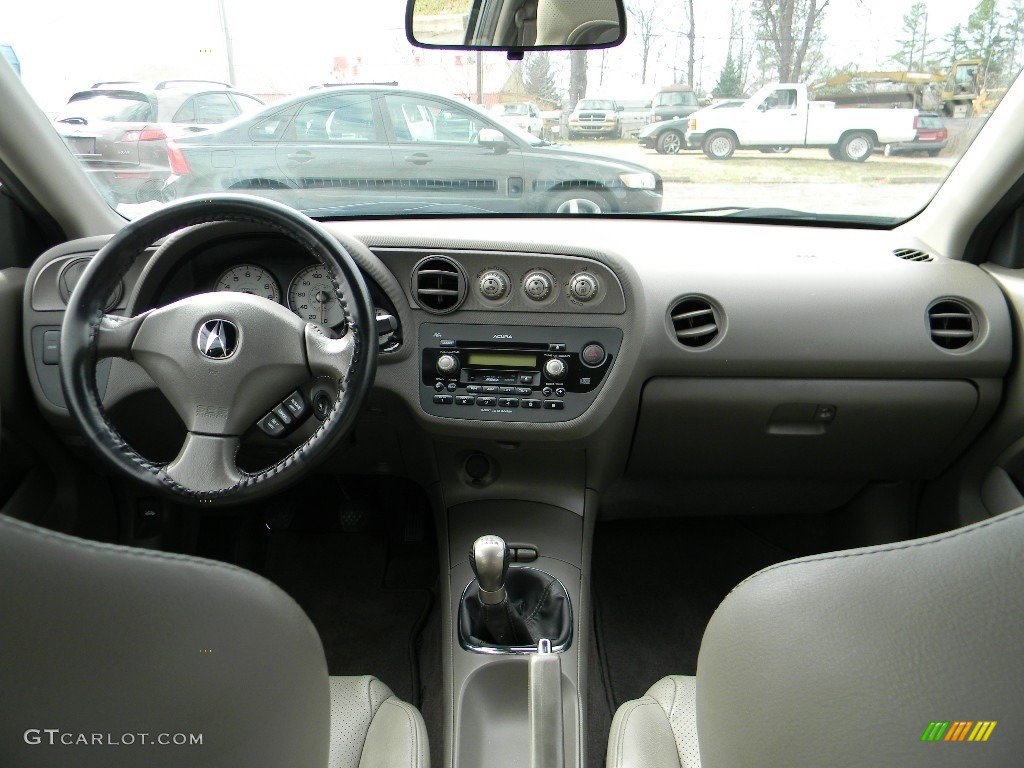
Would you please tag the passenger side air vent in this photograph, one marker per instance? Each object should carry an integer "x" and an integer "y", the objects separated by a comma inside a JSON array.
[
  {"x": 912, "y": 254},
  {"x": 951, "y": 324},
  {"x": 696, "y": 321},
  {"x": 438, "y": 284}
]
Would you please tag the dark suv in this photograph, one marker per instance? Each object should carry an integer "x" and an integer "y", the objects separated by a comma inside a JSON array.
[
  {"x": 382, "y": 149},
  {"x": 119, "y": 130}
]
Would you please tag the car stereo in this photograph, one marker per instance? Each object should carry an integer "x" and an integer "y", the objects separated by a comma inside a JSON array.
[{"x": 538, "y": 374}]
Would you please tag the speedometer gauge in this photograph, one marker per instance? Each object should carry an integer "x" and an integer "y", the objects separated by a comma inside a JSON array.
[
  {"x": 311, "y": 296},
  {"x": 249, "y": 278}
]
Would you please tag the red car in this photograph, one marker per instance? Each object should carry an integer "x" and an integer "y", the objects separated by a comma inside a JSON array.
[{"x": 932, "y": 135}]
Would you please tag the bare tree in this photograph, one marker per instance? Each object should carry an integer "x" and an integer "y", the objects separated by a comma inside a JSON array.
[
  {"x": 691, "y": 38},
  {"x": 577, "y": 77},
  {"x": 790, "y": 27},
  {"x": 645, "y": 16}
]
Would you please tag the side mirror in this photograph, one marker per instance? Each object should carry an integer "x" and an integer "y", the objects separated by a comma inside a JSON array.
[
  {"x": 619, "y": 107},
  {"x": 494, "y": 139}
]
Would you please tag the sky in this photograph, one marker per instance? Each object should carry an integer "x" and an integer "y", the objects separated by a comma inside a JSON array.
[{"x": 286, "y": 46}]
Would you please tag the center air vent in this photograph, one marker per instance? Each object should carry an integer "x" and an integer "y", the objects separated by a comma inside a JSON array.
[
  {"x": 912, "y": 254},
  {"x": 951, "y": 324},
  {"x": 438, "y": 284},
  {"x": 695, "y": 321}
]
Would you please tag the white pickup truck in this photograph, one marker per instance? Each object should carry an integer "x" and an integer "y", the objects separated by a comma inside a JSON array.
[{"x": 780, "y": 115}]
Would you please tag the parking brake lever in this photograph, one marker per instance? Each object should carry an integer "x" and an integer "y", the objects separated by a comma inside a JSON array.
[{"x": 547, "y": 749}]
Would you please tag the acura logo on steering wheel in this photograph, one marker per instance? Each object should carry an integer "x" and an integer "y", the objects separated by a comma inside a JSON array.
[{"x": 217, "y": 339}]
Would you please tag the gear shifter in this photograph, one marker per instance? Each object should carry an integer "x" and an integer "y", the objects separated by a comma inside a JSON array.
[{"x": 489, "y": 559}]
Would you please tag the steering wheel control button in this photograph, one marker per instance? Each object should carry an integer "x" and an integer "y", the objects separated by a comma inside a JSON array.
[
  {"x": 217, "y": 339},
  {"x": 272, "y": 425},
  {"x": 537, "y": 285},
  {"x": 51, "y": 347},
  {"x": 583, "y": 287},
  {"x": 322, "y": 405},
  {"x": 447, "y": 365},
  {"x": 282, "y": 413},
  {"x": 494, "y": 285},
  {"x": 295, "y": 404},
  {"x": 554, "y": 405},
  {"x": 555, "y": 369},
  {"x": 593, "y": 355}
]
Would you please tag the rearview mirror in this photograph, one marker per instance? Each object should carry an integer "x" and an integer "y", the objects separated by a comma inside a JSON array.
[{"x": 515, "y": 25}]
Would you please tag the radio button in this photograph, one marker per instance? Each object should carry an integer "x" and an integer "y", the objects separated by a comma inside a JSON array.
[
  {"x": 465, "y": 400},
  {"x": 487, "y": 401},
  {"x": 555, "y": 369},
  {"x": 546, "y": 391},
  {"x": 439, "y": 386},
  {"x": 556, "y": 347},
  {"x": 506, "y": 390},
  {"x": 452, "y": 386},
  {"x": 447, "y": 365},
  {"x": 443, "y": 399},
  {"x": 554, "y": 405},
  {"x": 533, "y": 404},
  {"x": 508, "y": 402},
  {"x": 560, "y": 392},
  {"x": 527, "y": 378},
  {"x": 523, "y": 390},
  {"x": 490, "y": 390},
  {"x": 474, "y": 388}
]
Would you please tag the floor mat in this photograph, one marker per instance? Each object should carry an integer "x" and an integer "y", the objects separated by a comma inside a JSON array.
[
  {"x": 656, "y": 583},
  {"x": 338, "y": 579}
]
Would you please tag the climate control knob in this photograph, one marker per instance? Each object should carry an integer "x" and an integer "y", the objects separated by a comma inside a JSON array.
[
  {"x": 447, "y": 365},
  {"x": 494, "y": 285},
  {"x": 537, "y": 285},
  {"x": 583, "y": 287},
  {"x": 555, "y": 369}
]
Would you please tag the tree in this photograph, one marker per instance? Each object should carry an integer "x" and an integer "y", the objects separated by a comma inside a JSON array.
[
  {"x": 577, "y": 76},
  {"x": 788, "y": 30},
  {"x": 985, "y": 41},
  {"x": 729, "y": 80},
  {"x": 645, "y": 16},
  {"x": 914, "y": 46},
  {"x": 540, "y": 79}
]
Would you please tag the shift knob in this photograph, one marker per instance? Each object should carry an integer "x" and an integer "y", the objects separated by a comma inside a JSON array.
[{"x": 489, "y": 559}]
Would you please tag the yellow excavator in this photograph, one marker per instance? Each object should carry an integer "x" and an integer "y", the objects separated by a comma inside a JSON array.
[{"x": 955, "y": 94}]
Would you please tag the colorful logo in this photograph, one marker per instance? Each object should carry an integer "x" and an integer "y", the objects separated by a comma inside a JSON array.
[{"x": 958, "y": 730}]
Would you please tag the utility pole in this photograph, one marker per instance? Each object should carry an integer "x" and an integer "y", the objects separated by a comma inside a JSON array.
[
  {"x": 479, "y": 79},
  {"x": 227, "y": 42}
]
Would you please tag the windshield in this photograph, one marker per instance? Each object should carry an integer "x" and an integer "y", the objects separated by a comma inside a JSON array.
[{"x": 834, "y": 131}]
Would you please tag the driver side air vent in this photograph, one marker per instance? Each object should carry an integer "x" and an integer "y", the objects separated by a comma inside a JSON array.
[
  {"x": 438, "y": 284},
  {"x": 951, "y": 324},
  {"x": 912, "y": 254},
  {"x": 695, "y": 321}
]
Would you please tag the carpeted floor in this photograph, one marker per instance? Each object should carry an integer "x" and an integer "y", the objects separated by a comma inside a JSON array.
[{"x": 656, "y": 583}]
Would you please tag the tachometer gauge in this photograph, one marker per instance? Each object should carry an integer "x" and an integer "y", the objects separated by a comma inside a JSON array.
[
  {"x": 311, "y": 296},
  {"x": 249, "y": 278}
]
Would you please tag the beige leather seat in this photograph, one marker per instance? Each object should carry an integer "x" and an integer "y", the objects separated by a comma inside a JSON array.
[
  {"x": 111, "y": 656},
  {"x": 863, "y": 657}
]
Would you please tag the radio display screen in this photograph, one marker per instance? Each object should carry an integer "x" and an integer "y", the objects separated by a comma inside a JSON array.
[{"x": 502, "y": 360}]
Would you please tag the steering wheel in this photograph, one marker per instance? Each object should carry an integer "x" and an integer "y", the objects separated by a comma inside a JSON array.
[{"x": 221, "y": 359}]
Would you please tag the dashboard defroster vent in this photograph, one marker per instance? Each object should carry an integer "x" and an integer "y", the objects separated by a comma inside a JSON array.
[
  {"x": 696, "y": 321},
  {"x": 438, "y": 284},
  {"x": 951, "y": 324},
  {"x": 912, "y": 254}
]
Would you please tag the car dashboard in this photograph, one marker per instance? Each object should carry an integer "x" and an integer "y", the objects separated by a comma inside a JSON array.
[{"x": 735, "y": 371}]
